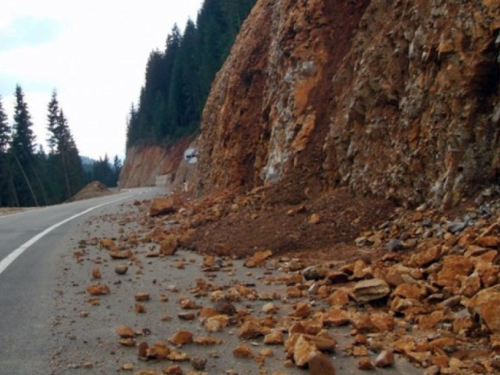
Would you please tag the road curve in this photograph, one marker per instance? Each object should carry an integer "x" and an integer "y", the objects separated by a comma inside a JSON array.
[{"x": 27, "y": 282}]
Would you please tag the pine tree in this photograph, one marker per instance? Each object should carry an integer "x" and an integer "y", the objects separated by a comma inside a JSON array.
[
  {"x": 5, "y": 175},
  {"x": 52, "y": 117},
  {"x": 22, "y": 151},
  {"x": 4, "y": 129}
]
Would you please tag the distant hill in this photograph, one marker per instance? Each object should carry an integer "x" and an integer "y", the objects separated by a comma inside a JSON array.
[{"x": 86, "y": 160}]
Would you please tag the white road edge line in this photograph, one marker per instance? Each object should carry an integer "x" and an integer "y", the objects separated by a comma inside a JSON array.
[{"x": 7, "y": 261}]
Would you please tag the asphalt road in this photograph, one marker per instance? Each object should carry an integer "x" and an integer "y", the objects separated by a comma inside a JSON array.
[{"x": 27, "y": 282}]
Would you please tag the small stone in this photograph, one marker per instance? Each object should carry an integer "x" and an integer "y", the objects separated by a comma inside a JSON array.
[
  {"x": 303, "y": 351},
  {"x": 142, "y": 297},
  {"x": 140, "y": 309},
  {"x": 121, "y": 254},
  {"x": 186, "y": 316},
  {"x": 484, "y": 304},
  {"x": 270, "y": 308},
  {"x": 395, "y": 245},
  {"x": 216, "y": 323},
  {"x": 127, "y": 342},
  {"x": 384, "y": 359},
  {"x": 222, "y": 306},
  {"x": 121, "y": 270},
  {"x": 198, "y": 363},
  {"x": 365, "y": 364},
  {"x": 96, "y": 273},
  {"x": 371, "y": 290},
  {"x": 314, "y": 219},
  {"x": 258, "y": 259},
  {"x": 320, "y": 364},
  {"x": 206, "y": 340},
  {"x": 302, "y": 310},
  {"x": 181, "y": 338},
  {"x": 178, "y": 356},
  {"x": 127, "y": 367},
  {"x": 335, "y": 318},
  {"x": 172, "y": 370},
  {"x": 162, "y": 206},
  {"x": 316, "y": 272},
  {"x": 125, "y": 332},
  {"x": 250, "y": 330},
  {"x": 243, "y": 351},
  {"x": 274, "y": 338},
  {"x": 98, "y": 289}
]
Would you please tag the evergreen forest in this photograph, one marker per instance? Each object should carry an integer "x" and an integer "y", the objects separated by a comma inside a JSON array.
[
  {"x": 178, "y": 79},
  {"x": 31, "y": 177}
]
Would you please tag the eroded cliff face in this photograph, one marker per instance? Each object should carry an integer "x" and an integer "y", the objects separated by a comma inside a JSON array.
[
  {"x": 143, "y": 164},
  {"x": 397, "y": 99}
]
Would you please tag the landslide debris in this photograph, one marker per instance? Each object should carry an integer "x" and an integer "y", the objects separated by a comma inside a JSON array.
[
  {"x": 431, "y": 299},
  {"x": 94, "y": 189}
]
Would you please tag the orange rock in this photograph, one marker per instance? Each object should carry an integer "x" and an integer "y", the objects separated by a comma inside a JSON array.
[
  {"x": 162, "y": 206},
  {"x": 274, "y": 338},
  {"x": 207, "y": 340},
  {"x": 335, "y": 318},
  {"x": 251, "y": 330},
  {"x": 485, "y": 304},
  {"x": 162, "y": 350},
  {"x": 125, "y": 332},
  {"x": 411, "y": 291},
  {"x": 430, "y": 321},
  {"x": 314, "y": 219},
  {"x": 140, "y": 309},
  {"x": 453, "y": 266},
  {"x": 169, "y": 245},
  {"x": 426, "y": 257},
  {"x": 172, "y": 370},
  {"x": 302, "y": 310},
  {"x": 216, "y": 323},
  {"x": 181, "y": 338},
  {"x": 303, "y": 351},
  {"x": 383, "y": 322},
  {"x": 98, "y": 289},
  {"x": 243, "y": 351},
  {"x": 121, "y": 254},
  {"x": 142, "y": 297},
  {"x": 96, "y": 273},
  {"x": 462, "y": 325},
  {"x": 320, "y": 364},
  {"x": 127, "y": 342},
  {"x": 338, "y": 298},
  {"x": 178, "y": 356},
  {"x": 109, "y": 244},
  {"x": 471, "y": 285},
  {"x": 384, "y": 359},
  {"x": 365, "y": 364},
  {"x": 488, "y": 241},
  {"x": 258, "y": 259}
]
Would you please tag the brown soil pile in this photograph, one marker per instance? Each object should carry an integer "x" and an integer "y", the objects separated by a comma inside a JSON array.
[{"x": 93, "y": 190}]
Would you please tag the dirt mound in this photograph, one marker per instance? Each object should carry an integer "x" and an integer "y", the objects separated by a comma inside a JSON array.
[{"x": 93, "y": 190}]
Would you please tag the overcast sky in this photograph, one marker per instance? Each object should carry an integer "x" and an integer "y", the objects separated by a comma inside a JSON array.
[{"x": 93, "y": 52}]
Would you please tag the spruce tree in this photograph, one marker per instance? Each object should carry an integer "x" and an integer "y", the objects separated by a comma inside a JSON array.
[
  {"x": 22, "y": 150},
  {"x": 52, "y": 118},
  {"x": 4, "y": 129},
  {"x": 5, "y": 175}
]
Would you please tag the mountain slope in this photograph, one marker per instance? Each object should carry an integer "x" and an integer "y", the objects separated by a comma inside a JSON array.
[{"x": 397, "y": 100}]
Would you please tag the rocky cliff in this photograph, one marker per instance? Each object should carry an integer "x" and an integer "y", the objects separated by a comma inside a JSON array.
[
  {"x": 143, "y": 164},
  {"x": 396, "y": 99}
]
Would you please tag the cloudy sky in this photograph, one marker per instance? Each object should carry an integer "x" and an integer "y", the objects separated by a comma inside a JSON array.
[{"x": 93, "y": 52}]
